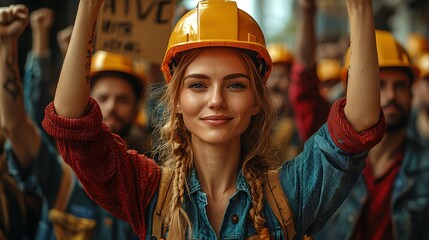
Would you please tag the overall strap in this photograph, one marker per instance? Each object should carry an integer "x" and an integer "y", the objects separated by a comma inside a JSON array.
[
  {"x": 279, "y": 203},
  {"x": 163, "y": 203},
  {"x": 65, "y": 189}
]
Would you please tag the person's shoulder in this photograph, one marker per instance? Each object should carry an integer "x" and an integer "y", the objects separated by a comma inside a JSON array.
[{"x": 417, "y": 152}]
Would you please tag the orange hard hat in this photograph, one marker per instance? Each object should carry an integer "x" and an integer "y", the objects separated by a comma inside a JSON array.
[
  {"x": 215, "y": 23},
  {"x": 423, "y": 65},
  {"x": 105, "y": 62},
  {"x": 417, "y": 44},
  {"x": 329, "y": 69},
  {"x": 280, "y": 53},
  {"x": 390, "y": 53}
]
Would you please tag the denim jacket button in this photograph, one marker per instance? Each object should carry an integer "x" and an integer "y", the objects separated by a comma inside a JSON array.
[
  {"x": 350, "y": 218},
  {"x": 234, "y": 218}
]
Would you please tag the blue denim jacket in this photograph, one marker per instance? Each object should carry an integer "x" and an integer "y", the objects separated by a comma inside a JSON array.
[
  {"x": 410, "y": 201},
  {"x": 315, "y": 183}
]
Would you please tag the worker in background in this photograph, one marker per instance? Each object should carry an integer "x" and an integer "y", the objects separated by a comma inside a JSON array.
[
  {"x": 284, "y": 129},
  {"x": 330, "y": 85}
]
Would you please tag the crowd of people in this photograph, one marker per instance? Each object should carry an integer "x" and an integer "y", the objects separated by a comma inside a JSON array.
[{"x": 230, "y": 137}]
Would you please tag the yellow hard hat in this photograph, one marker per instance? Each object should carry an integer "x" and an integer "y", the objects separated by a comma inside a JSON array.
[
  {"x": 423, "y": 65},
  {"x": 329, "y": 69},
  {"x": 280, "y": 53},
  {"x": 390, "y": 54},
  {"x": 105, "y": 62},
  {"x": 215, "y": 23},
  {"x": 417, "y": 44}
]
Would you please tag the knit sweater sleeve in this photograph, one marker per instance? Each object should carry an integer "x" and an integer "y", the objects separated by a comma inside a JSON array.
[
  {"x": 123, "y": 182},
  {"x": 344, "y": 135}
]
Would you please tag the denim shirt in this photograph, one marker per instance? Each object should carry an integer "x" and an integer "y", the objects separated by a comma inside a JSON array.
[
  {"x": 409, "y": 206},
  {"x": 38, "y": 83},
  {"x": 315, "y": 183}
]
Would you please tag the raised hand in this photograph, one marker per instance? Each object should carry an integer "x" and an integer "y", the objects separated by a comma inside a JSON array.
[
  {"x": 13, "y": 20},
  {"x": 41, "y": 20},
  {"x": 63, "y": 39}
]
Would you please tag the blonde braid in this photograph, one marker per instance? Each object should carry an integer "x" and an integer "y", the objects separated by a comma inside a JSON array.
[
  {"x": 180, "y": 223},
  {"x": 254, "y": 180}
]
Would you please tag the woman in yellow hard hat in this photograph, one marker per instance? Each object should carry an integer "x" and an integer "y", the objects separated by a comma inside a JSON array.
[{"x": 216, "y": 135}]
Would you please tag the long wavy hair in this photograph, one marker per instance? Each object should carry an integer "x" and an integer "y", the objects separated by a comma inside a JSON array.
[{"x": 175, "y": 149}]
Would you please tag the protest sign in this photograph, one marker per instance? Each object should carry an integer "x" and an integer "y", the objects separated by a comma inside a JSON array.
[{"x": 138, "y": 28}]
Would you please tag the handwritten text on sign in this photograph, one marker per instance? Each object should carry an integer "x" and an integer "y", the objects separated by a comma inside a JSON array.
[{"x": 138, "y": 28}]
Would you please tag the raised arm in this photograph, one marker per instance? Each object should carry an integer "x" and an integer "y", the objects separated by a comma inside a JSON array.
[
  {"x": 362, "y": 109},
  {"x": 17, "y": 127},
  {"x": 72, "y": 94},
  {"x": 38, "y": 76},
  {"x": 305, "y": 35},
  {"x": 310, "y": 108},
  {"x": 41, "y": 21}
]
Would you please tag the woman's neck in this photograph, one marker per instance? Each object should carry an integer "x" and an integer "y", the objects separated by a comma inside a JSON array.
[{"x": 217, "y": 167}]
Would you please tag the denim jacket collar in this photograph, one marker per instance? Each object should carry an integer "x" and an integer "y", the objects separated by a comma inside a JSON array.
[{"x": 241, "y": 184}]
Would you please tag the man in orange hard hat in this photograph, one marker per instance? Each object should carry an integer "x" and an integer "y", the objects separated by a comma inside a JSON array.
[{"x": 117, "y": 85}]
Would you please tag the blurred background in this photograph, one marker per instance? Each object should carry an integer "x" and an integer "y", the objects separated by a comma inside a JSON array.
[{"x": 276, "y": 17}]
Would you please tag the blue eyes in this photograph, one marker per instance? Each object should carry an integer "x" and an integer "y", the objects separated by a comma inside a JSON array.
[
  {"x": 234, "y": 85},
  {"x": 196, "y": 85}
]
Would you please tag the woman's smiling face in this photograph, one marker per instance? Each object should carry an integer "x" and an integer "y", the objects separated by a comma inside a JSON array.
[{"x": 217, "y": 98}]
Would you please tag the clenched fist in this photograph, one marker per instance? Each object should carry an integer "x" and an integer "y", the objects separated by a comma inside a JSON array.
[
  {"x": 13, "y": 20},
  {"x": 41, "y": 20}
]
